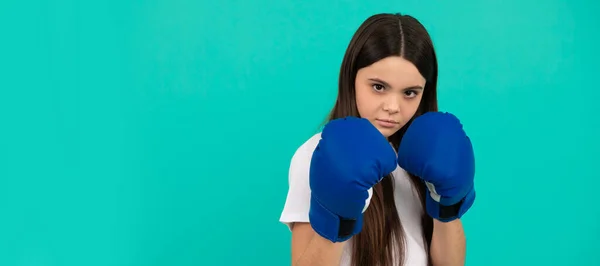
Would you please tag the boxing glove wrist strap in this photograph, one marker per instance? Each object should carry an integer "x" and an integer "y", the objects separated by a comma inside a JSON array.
[
  {"x": 447, "y": 213},
  {"x": 329, "y": 225}
]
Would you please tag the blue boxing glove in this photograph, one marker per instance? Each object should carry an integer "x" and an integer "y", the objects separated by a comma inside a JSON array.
[
  {"x": 436, "y": 148},
  {"x": 351, "y": 157}
]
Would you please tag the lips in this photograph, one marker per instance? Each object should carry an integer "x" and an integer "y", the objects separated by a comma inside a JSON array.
[
  {"x": 387, "y": 120},
  {"x": 386, "y": 123}
]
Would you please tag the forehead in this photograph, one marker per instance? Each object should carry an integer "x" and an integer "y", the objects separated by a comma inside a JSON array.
[{"x": 394, "y": 70}]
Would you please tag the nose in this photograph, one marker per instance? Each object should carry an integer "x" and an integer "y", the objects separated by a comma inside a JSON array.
[{"x": 391, "y": 104}]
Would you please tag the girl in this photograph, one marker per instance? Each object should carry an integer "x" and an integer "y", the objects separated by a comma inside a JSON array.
[{"x": 353, "y": 198}]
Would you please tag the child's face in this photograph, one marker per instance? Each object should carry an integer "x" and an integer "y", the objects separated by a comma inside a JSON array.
[{"x": 388, "y": 93}]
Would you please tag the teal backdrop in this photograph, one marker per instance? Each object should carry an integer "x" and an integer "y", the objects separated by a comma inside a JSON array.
[{"x": 159, "y": 133}]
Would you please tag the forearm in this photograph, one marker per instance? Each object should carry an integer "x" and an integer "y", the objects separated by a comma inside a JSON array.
[
  {"x": 448, "y": 243},
  {"x": 321, "y": 252}
]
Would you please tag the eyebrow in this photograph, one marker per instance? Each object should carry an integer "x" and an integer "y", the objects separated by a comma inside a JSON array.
[{"x": 417, "y": 87}]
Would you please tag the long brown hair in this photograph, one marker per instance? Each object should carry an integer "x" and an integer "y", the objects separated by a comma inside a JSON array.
[{"x": 380, "y": 36}]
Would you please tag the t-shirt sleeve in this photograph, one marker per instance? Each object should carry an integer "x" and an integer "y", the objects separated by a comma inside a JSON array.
[{"x": 297, "y": 203}]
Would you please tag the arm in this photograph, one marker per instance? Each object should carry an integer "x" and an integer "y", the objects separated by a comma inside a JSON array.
[
  {"x": 309, "y": 248},
  {"x": 448, "y": 243},
  {"x": 449, "y": 179}
]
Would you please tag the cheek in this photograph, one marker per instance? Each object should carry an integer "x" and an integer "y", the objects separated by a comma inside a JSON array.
[
  {"x": 365, "y": 101},
  {"x": 410, "y": 108}
]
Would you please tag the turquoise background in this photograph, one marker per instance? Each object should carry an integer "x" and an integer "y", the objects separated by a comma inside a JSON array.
[{"x": 160, "y": 132}]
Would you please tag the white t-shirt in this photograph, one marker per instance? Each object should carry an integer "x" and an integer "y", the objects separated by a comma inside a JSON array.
[{"x": 407, "y": 201}]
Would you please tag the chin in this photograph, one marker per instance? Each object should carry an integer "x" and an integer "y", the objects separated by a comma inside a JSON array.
[{"x": 387, "y": 132}]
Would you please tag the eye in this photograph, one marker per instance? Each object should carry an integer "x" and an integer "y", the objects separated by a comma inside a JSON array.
[
  {"x": 410, "y": 93},
  {"x": 378, "y": 87}
]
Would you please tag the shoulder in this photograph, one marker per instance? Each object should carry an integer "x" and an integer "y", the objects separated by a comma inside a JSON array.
[
  {"x": 297, "y": 202},
  {"x": 302, "y": 156}
]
